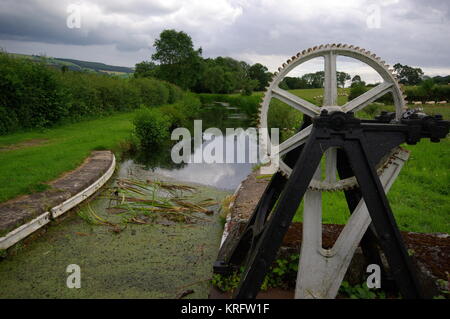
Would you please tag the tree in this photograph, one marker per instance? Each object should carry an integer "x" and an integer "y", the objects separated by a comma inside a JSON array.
[
  {"x": 249, "y": 86},
  {"x": 442, "y": 79},
  {"x": 356, "y": 90},
  {"x": 408, "y": 75},
  {"x": 342, "y": 77},
  {"x": 314, "y": 80},
  {"x": 261, "y": 74},
  {"x": 356, "y": 80},
  {"x": 145, "y": 69},
  {"x": 179, "y": 63},
  {"x": 294, "y": 83},
  {"x": 213, "y": 79}
]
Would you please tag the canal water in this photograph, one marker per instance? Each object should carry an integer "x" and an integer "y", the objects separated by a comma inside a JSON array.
[{"x": 161, "y": 259}]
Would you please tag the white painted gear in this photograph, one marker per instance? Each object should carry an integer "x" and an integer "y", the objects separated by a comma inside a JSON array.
[{"x": 329, "y": 52}]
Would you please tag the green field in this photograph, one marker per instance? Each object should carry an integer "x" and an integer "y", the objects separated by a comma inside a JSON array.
[{"x": 419, "y": 197}]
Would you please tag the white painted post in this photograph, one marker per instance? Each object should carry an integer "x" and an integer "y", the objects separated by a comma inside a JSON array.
[
  {"x": 321, "y": 271},
  {"x": 330, "y": 99},
  {"x": 330, "y": 83}
]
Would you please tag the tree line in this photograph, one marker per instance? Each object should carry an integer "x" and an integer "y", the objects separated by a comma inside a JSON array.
[{"x": 177, "y": 61}]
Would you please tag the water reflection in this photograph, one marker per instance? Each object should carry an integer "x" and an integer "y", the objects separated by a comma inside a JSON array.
[{"x": 220, "y": 175}]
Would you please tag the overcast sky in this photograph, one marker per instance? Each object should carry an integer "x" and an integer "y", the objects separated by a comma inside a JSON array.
[{"x": 413, "y": 32}]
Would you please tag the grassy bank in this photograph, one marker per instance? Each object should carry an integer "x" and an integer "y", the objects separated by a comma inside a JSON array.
[{"x": 29, "y": 159}]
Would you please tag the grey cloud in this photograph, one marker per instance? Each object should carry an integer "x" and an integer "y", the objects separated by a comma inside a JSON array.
[{"x": 412, "y": 32}]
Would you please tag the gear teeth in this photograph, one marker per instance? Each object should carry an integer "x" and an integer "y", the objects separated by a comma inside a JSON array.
[
  {"x": 299, "y": 54},
  {"x": 339, "y": 45},
  {"x": 303, "y": 52},
  {"x": 315, "y": 48},
  {"x": 320, "y": 46},
  {"x": 345, "y": 46},
  {"x": 293, "y": 58},
  {"x": 351, "y": 46}
]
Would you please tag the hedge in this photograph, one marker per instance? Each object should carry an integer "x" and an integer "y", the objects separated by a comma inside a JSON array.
[{"x": 34, "y": 95}]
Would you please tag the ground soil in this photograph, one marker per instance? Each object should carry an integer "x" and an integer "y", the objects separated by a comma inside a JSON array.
[{"x": 24, "y": 144}]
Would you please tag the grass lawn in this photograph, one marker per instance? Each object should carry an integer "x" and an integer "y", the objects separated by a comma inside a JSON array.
[{"x": 57, "y": 150}]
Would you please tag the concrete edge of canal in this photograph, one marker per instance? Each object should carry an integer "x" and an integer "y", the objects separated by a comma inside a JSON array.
[{"x": 24, "y": 215}]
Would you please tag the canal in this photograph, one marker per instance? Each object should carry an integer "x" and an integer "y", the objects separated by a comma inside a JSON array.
[{"x": 146, "y": 258}]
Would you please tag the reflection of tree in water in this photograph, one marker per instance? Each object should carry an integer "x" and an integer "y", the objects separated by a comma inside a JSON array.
[
  {"x": 212, "y": 115},
  {"x": 221, "y": 117},
  {"x": 157, "y": 157}
]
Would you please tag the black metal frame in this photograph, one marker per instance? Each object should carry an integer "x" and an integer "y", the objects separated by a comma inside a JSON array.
[{"x": 362, "y": 145}]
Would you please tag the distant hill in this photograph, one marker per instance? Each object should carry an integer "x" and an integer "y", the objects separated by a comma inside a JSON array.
[{"x": 78, "y": 65}]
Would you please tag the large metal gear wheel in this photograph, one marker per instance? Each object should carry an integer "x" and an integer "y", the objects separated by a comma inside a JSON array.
[{"x": 329, "y": 52}]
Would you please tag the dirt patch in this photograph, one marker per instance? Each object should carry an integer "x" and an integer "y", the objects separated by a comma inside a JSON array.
[{"x": 24, "y": 144}]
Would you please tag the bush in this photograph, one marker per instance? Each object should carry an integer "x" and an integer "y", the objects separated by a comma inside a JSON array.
[
  {"x": 151, "y": 127},
  {"x": 356, "y": 91},
  {"x": 8, "y": 121},
  {"x": 442, "y": 93},
  {"x": 30, "y": 93},
  {"x": 285, "y": 118},
  {"x": 182, "y": 111},
  {"x": 428, "y": 91},
  {"x": 175, "y": 93},
  {"x": 152, "y": 92},
  {"x": 189, "y": 105}
]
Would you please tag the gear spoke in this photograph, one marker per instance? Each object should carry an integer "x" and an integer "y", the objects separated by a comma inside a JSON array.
[
  {"x": 330, "y": 83},
  {"x": 294, "y": 141},
  {"x": 296, "y": 102},
  {"x": 368, "y": 97}
]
